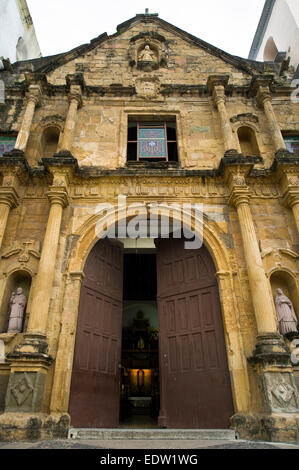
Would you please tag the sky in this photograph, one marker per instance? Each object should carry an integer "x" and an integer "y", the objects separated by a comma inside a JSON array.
[{"x": 61, "y": 25}]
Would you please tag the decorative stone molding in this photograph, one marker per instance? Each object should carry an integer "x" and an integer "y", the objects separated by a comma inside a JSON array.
[
  {"x": 282, "y": 395},
  {"x": 244, "y": 118},
  {"x": 22, "y": 389},
  {"x": 24, "y": 249},
  {"x": 147, "y": 87}
]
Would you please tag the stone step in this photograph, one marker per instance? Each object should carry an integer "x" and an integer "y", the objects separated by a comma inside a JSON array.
[{"x": 170, "y": 434}]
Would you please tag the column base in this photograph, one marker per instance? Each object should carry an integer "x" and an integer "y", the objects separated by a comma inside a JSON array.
[
  {"x": 280, "y": 427},
  {"x": 271, "y": 347},
  {"x": 34, "y": 345},
  {"x": 33, "y": 427},
  {"x": 275, "y": 378},
  {"x": 16, "y": 153},
  {"x": 29, "y": 365}
]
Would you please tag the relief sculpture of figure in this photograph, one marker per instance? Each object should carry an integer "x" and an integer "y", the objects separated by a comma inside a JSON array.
[
  {"x": 146, "y": 55},
  {"x": 286, "y": 316},
  {"x": 17, "y": 306}
]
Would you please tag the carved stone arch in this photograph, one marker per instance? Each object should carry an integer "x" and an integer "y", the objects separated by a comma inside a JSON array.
[
  {"x": 253, "y": 125},
  {"x": 87, "y": 238},
  {"x": 225, "y": 273},
  {"x": 53, "y": 126}
]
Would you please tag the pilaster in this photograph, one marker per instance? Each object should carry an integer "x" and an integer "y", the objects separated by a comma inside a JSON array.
[
  {"x": 216, "y": 86},
  {"x": 261, "y": 87},
  {"x": 75, "y": 86}
]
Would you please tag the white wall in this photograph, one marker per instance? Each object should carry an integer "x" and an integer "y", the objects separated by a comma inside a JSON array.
[
  {"x": 12, "y": 28},
  {"x": 284, "y": 28}
]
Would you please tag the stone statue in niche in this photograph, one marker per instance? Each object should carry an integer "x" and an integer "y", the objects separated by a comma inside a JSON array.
[
  {"x": 140, "y": 344},
  {"x": 146, "y": 55},
  {"x": 286, "y": 315},
  {"x": 17, "y": 306}
]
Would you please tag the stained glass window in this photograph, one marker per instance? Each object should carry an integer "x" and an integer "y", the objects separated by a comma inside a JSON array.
[
  {"x": 6, "y": 144},
  {"x": 152, "y": 142},
  {"x": 292, "y": 144}
]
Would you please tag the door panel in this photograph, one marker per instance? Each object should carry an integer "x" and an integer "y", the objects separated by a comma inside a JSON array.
[
  {"x": 95, "y": 387},
  {"x": 195, "y": 383}
]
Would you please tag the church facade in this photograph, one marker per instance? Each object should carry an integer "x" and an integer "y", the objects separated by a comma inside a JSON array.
[{"x": 126, "y": 318}]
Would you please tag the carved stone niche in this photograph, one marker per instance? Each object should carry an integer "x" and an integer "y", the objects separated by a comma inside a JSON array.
[
  {"x": 148, "y": 51},
  {"x": 20, "y": 278},
  {"x": 276, "y": 255}
]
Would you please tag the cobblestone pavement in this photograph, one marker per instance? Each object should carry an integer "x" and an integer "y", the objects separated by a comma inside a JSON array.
[{"x": 140, "y": 444}]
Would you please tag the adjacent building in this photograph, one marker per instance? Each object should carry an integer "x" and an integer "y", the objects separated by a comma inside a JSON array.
[
  {"x": 149, "y": 211},
  {"x": 17, "y": 34},
  {"x": 277, "y": 35}
]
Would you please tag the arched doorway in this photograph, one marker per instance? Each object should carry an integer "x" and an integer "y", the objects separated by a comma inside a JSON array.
[{"x": 195, "y": 390}]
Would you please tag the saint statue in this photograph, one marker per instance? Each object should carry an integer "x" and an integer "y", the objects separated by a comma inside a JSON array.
[
  {"x": 17, "y": 306},
  {"x": 140, "y": 344},
  {"x": 146, "y": 55},
  {"x": 286, "y": 315}
]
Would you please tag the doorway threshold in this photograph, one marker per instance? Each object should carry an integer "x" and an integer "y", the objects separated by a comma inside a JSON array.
[{"x": 171, "y": 434}]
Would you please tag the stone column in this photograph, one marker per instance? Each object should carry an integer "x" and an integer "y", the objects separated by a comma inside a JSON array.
[
  {"x": 74, "y": 83},
  {"x": 58, "y": 198},
  {"x": 8, "y": 200},
  {"x": 13, "y": 170},
  {"x": 271, "y": 358},
  {"x": 216, "y": 86},
  {"x": 66, "y": 344},
  {"x": 259, "y": 285},
  {"x": 264, "y": 100},
  {"x": 33, "y": 99}
]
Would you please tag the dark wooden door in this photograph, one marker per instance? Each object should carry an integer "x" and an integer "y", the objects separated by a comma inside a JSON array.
[
  {"x": 194, "y": 376},
  {"x": 95, "y": 387}
]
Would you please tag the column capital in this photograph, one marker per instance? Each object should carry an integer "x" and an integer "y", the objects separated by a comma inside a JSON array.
[
  {"x": 263, "y": 97},
  {"x": 34, "y": 94},
  {"x": 291, "y": 197},
  {"x": 75, "y": 85},
  {"x": 9, "y": 196},
  {"x": 75, "y": 95},
  {"x": 220, "y": 81},
  {"x": 239, "y": 195},
  {"x": 58, "y": 195},
  {"x": 260, "y": 87}
]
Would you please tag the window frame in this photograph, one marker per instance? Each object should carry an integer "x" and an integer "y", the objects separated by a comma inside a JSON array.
[{"x": 140, "y": 124}]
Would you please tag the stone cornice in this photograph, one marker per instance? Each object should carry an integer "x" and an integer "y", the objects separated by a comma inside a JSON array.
[
  {"x": 199, "y": 90},
  {"x": 217, "y": 81}
]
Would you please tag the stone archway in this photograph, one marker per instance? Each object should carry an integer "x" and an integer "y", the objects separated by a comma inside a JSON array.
[{"x": 87, "y": 238}]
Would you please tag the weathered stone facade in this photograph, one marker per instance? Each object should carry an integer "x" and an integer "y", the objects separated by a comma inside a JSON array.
[{"x": 48, "y": 207}]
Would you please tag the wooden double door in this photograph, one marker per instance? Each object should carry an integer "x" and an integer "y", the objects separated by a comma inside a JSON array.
[{"x": 195, "y": 390}]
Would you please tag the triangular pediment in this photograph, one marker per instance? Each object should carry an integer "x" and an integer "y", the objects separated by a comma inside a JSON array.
[{"x": 181, "y": 57}]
